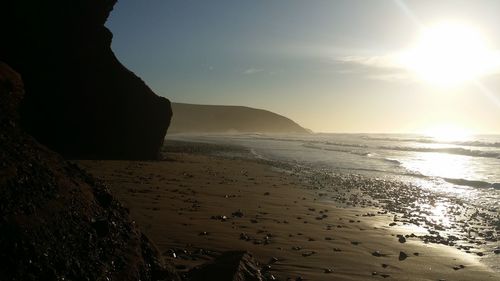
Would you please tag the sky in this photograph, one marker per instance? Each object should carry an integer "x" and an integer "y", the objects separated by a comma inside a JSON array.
[{"x": 332, "y": 66}]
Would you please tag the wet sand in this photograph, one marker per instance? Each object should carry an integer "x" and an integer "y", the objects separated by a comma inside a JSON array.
[{"x": 194, "y": 206}]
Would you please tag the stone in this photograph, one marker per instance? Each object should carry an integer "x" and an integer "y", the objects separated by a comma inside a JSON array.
[
  {"x": 230, "y": 266},
  {"x": 401, "y": 239}
]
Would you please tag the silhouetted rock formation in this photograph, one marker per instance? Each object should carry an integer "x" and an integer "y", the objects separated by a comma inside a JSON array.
[
  {"x": 193, "y": 118},
  {"x": 230, "y": 266},
  {"x": 80, "y": 100},
  {"x": 57, "y": 222}
]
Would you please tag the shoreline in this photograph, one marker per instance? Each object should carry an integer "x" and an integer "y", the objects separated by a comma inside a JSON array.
[{"x": 194, "y": 200}]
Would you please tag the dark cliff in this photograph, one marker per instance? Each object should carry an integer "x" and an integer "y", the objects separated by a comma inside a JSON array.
[
  {"x": 80, "y": 100},
  {"x": 193, "y": 118},
  {"x": 57, "y": 222}
]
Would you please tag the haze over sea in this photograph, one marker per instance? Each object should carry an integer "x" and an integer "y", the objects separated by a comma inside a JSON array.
[{"x": 448, "y": 187}]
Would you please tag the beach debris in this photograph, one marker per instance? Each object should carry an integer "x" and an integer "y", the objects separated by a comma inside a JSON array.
[
  {"x": 337, "y": 250},
  {"x": 374, "y": 273},
  {"x": 496, "y": 251},
  {"x": 170, "y": 253},
  {"x": 203, "y": 233},
  {"x": 392, "y": 224},
  {"x": 378, "y": 254},
  {"x": 237, "y": 213},
  {"x": 244, "y": 236},
  {"x": 401, "y": 238},
  {"x": 328, "y": 270},
  {"x": 219, "y": 217},
  {"x": 267, "y": 239},
  {"x": 296, "y": 248},
  {"x": 402, "y": 256},
  {"x": 308, "y": 253},
  {"x": 458, "y": 267}
]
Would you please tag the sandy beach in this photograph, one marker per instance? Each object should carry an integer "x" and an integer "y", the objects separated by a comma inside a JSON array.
[{"x": 194, "y": 205}]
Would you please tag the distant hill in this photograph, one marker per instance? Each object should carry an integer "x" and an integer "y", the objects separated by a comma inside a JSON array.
[{"x": 194, "y": 118}]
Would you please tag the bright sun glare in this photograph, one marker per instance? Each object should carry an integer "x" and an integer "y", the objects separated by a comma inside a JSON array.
[
  {"x": 448, "y": 133},
  {"x": 450, "y": 53}
]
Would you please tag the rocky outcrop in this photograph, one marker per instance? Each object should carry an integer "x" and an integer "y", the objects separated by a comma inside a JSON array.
[
  {"x": 56, "y": 221},
  {"x": 80, "y": 100},
  {"x": 195, "y": 118},
  {"x": 230, "y": 266}
]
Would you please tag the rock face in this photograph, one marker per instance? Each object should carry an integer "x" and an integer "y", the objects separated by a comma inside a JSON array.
[
  {"x": 194, "y": 118},
  {"x": 57, "y": 222},
  {"x": 230, "y": 266},
  {"x": 80, "y": 100}
]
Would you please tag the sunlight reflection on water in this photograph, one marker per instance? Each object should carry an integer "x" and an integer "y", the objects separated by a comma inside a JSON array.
[{"x": 441, "y": 164}]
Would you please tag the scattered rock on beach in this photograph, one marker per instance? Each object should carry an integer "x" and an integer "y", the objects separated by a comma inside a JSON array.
[
  {"x": 378, "y": 254},
  {"x": 244, "y": 236},
  {"x": 401, "y": 239},
  {"x": 328, "y": 270},
  {"x": 402, "y": 256},
  {"x": 234, "y": 265},
  {"x": 308, "y": 253},
  {"x": 237, "y": 214}
]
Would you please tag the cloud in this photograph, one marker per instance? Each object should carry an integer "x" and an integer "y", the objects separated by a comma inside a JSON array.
[
  {"x": 402, "y": 76},
  {"x": 412, "y": 66},
  {"x": 251, "y": 71},
  {"x": 381, "y": 67},
  {"x": 385, "y": 61}
]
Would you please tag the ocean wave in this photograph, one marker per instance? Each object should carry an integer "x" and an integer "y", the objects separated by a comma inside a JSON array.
[
  {"x": 394, "y": 161},
  {"x": 356, "y": 152},
  {"x": 448, "y": 150},
  {"x": 429, "y": 140},
  {"x": 473, "y": 183},
  {"x": 346, "y": 144}
]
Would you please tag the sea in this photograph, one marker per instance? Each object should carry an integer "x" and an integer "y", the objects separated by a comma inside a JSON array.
[{"x": 460, "y": 177}]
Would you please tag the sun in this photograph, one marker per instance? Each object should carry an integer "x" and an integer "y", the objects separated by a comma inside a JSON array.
[{"x": 449, "y": 53}]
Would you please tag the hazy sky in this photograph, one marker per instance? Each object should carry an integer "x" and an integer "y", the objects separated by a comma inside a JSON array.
[{"x": 323, "y": 63}]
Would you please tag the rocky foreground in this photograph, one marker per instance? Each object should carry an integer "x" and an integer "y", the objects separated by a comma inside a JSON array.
[{"x": 57, "y": 222}]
